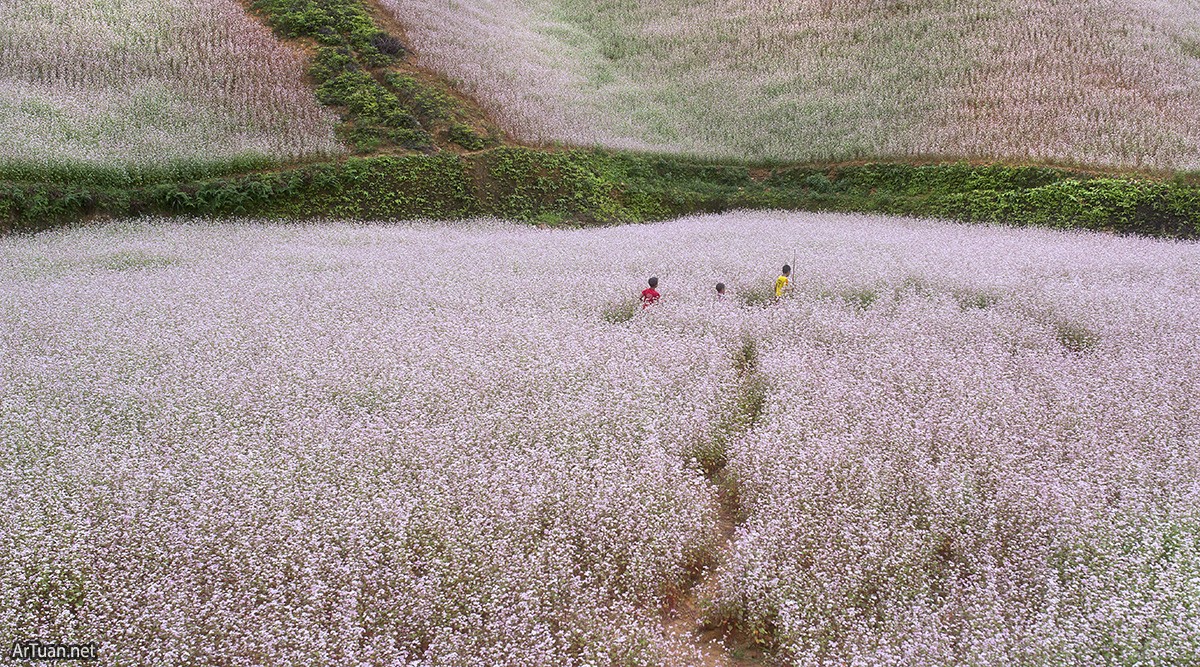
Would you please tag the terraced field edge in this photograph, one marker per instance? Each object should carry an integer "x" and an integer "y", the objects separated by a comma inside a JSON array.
[{"x": 587, "y": 187}]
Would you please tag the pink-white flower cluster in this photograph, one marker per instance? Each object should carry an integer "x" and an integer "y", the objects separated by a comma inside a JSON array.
[
  {"x": 151, "y": 82},
  {"x": 342, "y": 444},
  {"x": 1109, "y": 82},
  {"x": 339, "y": 446}
]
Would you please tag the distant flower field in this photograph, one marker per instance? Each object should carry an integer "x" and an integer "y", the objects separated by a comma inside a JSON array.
[
  {"x": 1094, "y": 82},
  {"x": 339, "y": 444},
  {"x": 150, "y": 83}
]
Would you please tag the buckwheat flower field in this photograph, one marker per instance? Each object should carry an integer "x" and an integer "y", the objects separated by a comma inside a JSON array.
[
  {"x": 1097, "y": 82},
  {"x": 354, "y": 444},
  {"x": 146, "y": 83}
]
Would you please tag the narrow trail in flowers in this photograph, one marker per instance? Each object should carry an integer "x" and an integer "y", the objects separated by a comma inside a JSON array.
[{"x": 688, "y": 618}]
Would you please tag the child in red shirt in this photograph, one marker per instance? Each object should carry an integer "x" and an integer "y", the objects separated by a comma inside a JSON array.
[{"x": 650, "y": 295}]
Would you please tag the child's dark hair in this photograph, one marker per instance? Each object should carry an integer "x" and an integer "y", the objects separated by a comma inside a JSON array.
[
  {"x": 720, "y": 287},
  {"x": 653, "y": 281},
  {"x": 787, "y": 269}
]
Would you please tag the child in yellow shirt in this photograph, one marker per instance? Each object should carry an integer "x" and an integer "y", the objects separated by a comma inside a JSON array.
[{"x": 783, "y": 282}]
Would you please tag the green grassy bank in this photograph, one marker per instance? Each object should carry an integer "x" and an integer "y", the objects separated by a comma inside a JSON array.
[{"x": 595, "y": 187}]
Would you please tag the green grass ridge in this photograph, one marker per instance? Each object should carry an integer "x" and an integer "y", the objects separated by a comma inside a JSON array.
[
  {"x": 584, "y": 187},
  {"x": 380, "y": 109}
]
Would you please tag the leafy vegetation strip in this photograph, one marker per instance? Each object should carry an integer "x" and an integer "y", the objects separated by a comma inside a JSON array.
[
  {"x": 358, "y": 69},
  {"x": 589, "y": 187}
]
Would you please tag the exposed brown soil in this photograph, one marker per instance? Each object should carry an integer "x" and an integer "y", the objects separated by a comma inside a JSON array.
[
  {"x": 685, "y": 618},
  {"x": 690, "y": 616}
]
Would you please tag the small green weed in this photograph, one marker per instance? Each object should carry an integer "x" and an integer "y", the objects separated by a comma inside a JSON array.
[
  {"x": 969, "y": 299},
  {"x": 915, "y": 285},
  {"x": 859, "y": 298},
  {"x": 132, "y": 260},
  {"x": 619, "y": 312},
  {"x": 745, "y": 358},
  {"x": 758, "y": 296},
  {"x": 1076, "y": 338}
]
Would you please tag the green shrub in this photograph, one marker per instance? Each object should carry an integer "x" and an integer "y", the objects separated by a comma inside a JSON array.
[
  {"x": 429, "y": 104},
  {"x": 365, "y": 101},
  {"x": 344, "y": 23},
  {"x": 331, "y": 62},
  {"x": 412, "y": 139},
  {"x": 351, "y": 46},
  {"x": 466, "y": 137},
  {"x": 819, "y": 183},
  {"x": 1112, "y": 204}
]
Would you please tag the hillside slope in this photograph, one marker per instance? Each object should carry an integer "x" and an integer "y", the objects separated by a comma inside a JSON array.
[
  {"x": 1095, "y": 82},
  {"x": 138, "y": 83}
]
